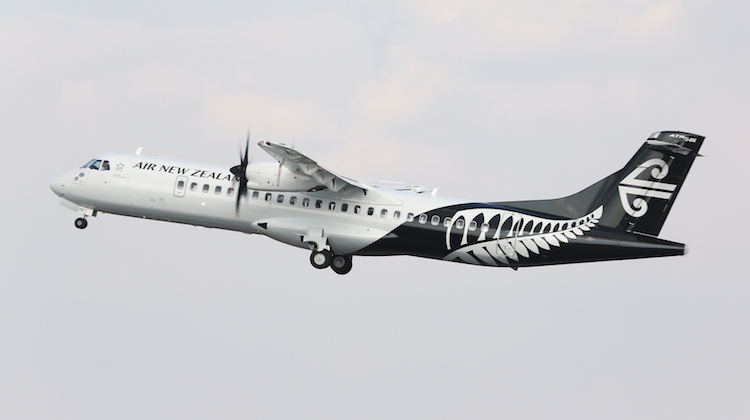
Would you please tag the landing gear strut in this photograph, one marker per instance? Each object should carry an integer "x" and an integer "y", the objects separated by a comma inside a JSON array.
[{"x": 81, "y": 223}]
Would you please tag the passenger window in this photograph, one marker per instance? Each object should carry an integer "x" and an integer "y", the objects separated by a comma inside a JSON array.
[
  {"x": 331, "y": 205},
  {"x": 206, "y": 188},
  {"x": 305, "y": 202},
  {"x": 447, "y": 222},
  {"x": 422, "y": 218},
  {"x": 460, "y": 224},
  {"x": 383, "y": 213},
  {"x": 255, "y": 195},
  {"x": 485, "y": 227},
  {"x": 193, "y": 186},
  {"x": 180, "y": 184},
  {"x": 435, "y": 220},
  {"x": 105, "y": 165},
  {"x": 396, "y": 215},
  {"x": 473, "y": 226},
  {"x": 280, "y": 198},
  {"x": 357, "y": 209},
  {"x": 410, "y": 217},
  {"x": 268, "y": 196},
  {"x": 344, "y": 207},
  {"x": 293, "y": 200},
  {"x": 230, "y": 191},
  {"x": 217, "y": 190},
  {"x": 370, "y": 211},
  {"x": 318, "y": 204}
]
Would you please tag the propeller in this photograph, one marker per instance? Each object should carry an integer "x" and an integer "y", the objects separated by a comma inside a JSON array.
[{"x": 240, "y": 171}]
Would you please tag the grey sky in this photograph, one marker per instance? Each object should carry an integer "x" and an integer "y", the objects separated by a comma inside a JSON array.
[{"x": 485, "y": 100}]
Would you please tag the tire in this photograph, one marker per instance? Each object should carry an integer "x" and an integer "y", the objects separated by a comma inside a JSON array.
[
  {"x": 321, "y": 259},
  {"x": 341, "y": 264},
  {"x": 81, "y": 223}
]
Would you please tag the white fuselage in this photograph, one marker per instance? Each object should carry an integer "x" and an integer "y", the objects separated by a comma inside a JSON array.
[{"x": 205, "y": 195}]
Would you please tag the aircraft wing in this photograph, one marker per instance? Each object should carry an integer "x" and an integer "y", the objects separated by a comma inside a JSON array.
[{"x": 299, "y": 163}]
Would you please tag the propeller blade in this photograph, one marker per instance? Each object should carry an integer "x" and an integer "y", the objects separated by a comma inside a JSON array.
[
  {"x": 247, "y": 147},
  {"x": 240, "y": 172}
]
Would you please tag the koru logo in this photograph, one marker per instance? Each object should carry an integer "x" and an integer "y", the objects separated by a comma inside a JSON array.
[{"x": 641, "y": 188}]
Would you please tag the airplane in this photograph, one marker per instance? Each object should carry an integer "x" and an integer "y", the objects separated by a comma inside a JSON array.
[{"x": 301, "y": 203}]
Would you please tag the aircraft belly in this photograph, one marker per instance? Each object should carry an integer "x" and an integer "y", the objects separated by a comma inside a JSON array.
[
  {"x": 352, "y": 238},
  {"x": 342, "y": 238}
]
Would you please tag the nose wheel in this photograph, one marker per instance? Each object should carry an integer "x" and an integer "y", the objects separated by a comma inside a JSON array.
[{"x": 81, "y": 223}]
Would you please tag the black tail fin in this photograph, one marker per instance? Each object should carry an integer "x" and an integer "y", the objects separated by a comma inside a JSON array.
[{"x": 639, "y": 196}]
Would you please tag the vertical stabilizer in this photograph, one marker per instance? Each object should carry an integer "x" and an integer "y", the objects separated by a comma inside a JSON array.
[{"x": 638, "y": 197}]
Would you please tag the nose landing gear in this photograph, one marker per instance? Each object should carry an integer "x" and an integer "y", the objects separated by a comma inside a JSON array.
[{"x": 81, "y": 223}]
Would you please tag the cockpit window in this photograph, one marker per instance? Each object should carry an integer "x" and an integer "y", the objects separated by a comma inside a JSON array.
[{"x": 96, "y": 164}]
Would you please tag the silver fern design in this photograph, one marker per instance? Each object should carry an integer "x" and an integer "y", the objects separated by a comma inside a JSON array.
[{"x": 528, "y": 236}]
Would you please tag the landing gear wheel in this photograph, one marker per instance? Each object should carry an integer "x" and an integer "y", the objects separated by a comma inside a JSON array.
[
  {"x": 81, "y": 223},
  {"x": 321, "y": 259},
  {"x": 341, "y": 264}
]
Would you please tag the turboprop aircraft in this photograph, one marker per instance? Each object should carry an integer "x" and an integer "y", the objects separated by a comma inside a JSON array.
[{"x": 303, "y": 204}]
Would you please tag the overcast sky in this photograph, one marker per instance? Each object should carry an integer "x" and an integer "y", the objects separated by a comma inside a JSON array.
[{"x": 504, "y": 100}]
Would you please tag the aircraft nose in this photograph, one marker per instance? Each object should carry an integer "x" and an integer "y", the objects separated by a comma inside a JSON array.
[{"x": 58, "y": 185}]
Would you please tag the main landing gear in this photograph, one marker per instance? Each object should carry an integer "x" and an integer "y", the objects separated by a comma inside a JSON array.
[
  {"x": 321, "y": 259},
  {"x": 341, "y": 264},
  {"x": 81, "y": 223}
]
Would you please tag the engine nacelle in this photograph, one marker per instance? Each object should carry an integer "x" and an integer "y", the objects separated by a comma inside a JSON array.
[{"x": 266, "y": 177}]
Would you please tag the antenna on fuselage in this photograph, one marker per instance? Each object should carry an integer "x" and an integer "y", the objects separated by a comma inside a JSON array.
[{"x": 138, "y": 151}]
